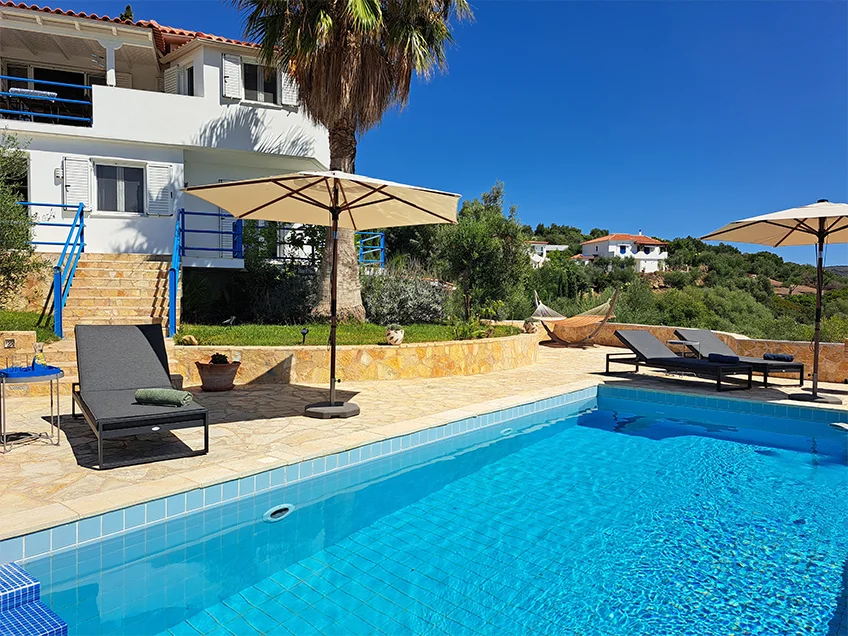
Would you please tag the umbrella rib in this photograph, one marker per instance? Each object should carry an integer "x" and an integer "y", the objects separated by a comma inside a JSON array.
[
  {"x": 830, "y": 229},
  {"x": 353, "y": 203},
  {"x": 418, "y": 207},
  {"x": 362, "y": 205},
  {"x": 261, "y": 207},
  {"x": 299, "y": 192},
  {"x": 789, "y": 233},
  {"x": 347, "y": 207}
]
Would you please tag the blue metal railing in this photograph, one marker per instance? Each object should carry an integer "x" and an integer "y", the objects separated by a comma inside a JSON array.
[
  {"x": 237, "y": 233},
  {"x": 372, "y": 248},
  {"x": 174, "y": 275},
  {"x": 66, "y": 266},
  {"x": 75, "y": 110}
]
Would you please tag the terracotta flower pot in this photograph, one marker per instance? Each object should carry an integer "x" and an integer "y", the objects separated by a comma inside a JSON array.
[
  {"x": 394, "y": 336},
  {"x": 217, "y": 377}
]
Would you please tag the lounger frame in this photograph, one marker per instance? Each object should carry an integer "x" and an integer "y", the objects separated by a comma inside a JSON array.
[
  {"x": 155, "y": 424},
  {"x": 721, "y": 373}
]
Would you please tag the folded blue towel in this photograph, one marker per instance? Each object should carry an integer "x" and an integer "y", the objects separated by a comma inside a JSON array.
[
  {"x": 779, "y": 357},
  {"x": 723, "y": 359}
]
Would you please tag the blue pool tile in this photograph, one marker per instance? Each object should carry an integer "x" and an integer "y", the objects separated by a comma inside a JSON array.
[
  {"x": 278, "y": 476},
  {"x": 292, "y": 473},
  {"x": 113, "y": 522},
  {"x": 212, "y": 495},
  {"x": 135, "y": 516},
  {"x": 11, "y": 549},
  {"x": 246, "y": 486},
  {"x": 36, "y": 544},
  {"x": 230, "y": 490},
  {"x": 175, "y": 505},
  {"x": 155, "y": 510},
  {"x": 343, "y": 459},
  {"x": 194, "y": 500},
  {"x": 263, "y": 481},
  {"x": 319, "y": 466},
  {"x": 64, "y": 536},
  {"x": 332, "y": 462},
  {"x": 88, "y": 529},
  {"x": 306, "y": 469}
]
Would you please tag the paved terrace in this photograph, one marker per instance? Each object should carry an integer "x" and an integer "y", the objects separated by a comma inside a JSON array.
[{"x": 257, "y": 428}]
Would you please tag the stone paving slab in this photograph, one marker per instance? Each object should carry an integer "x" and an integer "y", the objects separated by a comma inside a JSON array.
[{"x": 255, "y": 428}]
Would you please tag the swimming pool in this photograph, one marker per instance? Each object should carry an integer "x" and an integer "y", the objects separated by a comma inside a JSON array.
[{"x": 605, "y": 512}]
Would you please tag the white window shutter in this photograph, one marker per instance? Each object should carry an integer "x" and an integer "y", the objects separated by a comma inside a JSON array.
[
  {"x": 159, "y": 189},
  {"x": 287, "y": 89},
  {"x": 123, "y": 80},
  {"x": 171, "y": 76},
  {"x": 232, "y": 84},
  {"x": 76, "y": 173}
]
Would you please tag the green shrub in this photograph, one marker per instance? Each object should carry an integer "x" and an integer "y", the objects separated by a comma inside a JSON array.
[
  {"x": 470, "y": 329},
  {"x": 399, "y": 294}
]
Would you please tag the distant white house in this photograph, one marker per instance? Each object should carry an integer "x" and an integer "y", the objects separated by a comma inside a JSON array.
[
  {"x": 650, "y": 254},
  {"x": 539, "y": 251}
]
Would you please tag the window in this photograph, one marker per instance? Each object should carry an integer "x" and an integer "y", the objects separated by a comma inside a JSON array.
[
  {"x": 646, "y": 249},
  {"x": 260, "y": 83},
  {"x": 120, "y": 188},
  {"x": 189, "y": 81},
  {"x": 622, "y": 249}
]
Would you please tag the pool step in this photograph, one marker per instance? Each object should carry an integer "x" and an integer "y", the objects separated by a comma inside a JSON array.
[{"x": 21, "y": 611}]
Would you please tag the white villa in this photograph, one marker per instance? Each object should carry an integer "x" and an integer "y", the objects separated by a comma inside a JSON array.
[
  {"x": 650, "y": 254},
  {"x": 120, "y": 116},
  {"x": 539, "y": 251}
]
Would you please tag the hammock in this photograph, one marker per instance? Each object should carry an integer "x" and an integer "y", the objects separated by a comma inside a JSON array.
[{"x": 596, "y": 316}]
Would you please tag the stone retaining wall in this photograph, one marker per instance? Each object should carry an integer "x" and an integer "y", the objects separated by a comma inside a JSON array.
[
  {"x": 294, "y": 365},
  {"x": 833, "y": 360}
]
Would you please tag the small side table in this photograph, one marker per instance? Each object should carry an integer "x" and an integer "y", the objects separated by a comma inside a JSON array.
[
  {"x": 685, "y": 344},
  {"x": 26, "y": 376}
]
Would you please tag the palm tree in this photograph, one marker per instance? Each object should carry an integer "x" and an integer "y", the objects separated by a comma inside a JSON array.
[{"x": 352, "y": 60}]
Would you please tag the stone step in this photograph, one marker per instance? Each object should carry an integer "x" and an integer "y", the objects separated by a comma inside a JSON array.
[
  {"x": 84, "y": 301},
  {"x": 21, "y": 611},
  {"x": 124, "y": 257},
  {"x": 111, "y": 273},
  {"x": 78, "y": 314},
  {"x": 81, "y": 289},
  {"x": 145, "y": 284}
]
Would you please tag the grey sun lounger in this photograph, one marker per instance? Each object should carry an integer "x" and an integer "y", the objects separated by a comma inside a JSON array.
[
  {"x": 709, "y": 343},
  {"x": 112, "y": 362},
  {"x": 648, "y": 351}
]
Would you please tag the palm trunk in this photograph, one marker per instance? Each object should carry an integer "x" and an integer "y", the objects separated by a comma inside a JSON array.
[{"x": 342, "y": 157}]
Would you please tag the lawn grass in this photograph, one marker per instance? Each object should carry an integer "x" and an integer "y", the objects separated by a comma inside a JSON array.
[
  {"x": 319, "y": 333},
  {"x": 25, "y": 321}
]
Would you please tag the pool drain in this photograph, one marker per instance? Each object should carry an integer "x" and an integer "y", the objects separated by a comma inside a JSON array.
[
  {"x": 506, "y": 431},
  {"x": 278, "y": 513}
]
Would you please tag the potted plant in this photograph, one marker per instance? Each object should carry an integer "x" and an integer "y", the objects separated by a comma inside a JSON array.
[
  {"x": 394, "y": 334},
  {"x": 217, "y": 374}
]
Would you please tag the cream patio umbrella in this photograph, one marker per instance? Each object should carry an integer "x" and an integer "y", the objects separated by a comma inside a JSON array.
[
  {"x": 816, "y": 224},
  {"x": 335, "y": 199}
]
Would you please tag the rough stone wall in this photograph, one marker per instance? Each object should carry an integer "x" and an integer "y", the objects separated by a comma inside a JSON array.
[{"x": 293, "y": 365}]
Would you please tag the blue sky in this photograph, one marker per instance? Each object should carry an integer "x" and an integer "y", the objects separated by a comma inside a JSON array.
[{"x": 669, "y": 117}]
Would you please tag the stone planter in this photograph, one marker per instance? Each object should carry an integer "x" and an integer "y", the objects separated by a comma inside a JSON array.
[
  {"x": 217, "y": 377},
  {"x": 394, "y": 336}
]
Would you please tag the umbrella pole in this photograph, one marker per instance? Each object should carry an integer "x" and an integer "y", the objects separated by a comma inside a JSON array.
[
  {"x": 334, "y": 275},
  {"x": 333, "y": 409},
  {"x": 819, "y": 285},
  {"x": 814, "y": 396}
]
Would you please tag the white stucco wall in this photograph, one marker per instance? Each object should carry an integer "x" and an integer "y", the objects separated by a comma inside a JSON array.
[{"x": 104, "y": 233}]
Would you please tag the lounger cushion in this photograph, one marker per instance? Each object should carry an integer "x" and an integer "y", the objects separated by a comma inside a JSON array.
[
  {"x": 118, "y": 409},
  {"x": 644, "y": 344},
  {"x": 111, "y": 357},
  {"x": 722, "y": 358},
  {"x": 691, "y": 364}
]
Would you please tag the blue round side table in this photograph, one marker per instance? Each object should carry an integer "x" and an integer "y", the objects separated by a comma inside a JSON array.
[{"x": 25, "y": 375}]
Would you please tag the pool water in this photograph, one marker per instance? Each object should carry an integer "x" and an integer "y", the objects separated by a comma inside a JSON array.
[{"x": 608, "y": 517}]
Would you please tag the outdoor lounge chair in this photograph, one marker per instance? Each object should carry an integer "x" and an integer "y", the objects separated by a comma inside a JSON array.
[
  {"x": 709, "y": 343},
  {"x": 112, "y": 362},
  {"x": 650, "y": 352}
]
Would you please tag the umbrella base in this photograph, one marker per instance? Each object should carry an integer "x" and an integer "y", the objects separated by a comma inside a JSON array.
[
  {"x": 820, "y": 399},
  {"x": 326, "y": 410}
]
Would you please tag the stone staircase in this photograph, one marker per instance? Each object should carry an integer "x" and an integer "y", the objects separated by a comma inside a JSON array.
[
  {"x": 22, "y": 613},
  {"x": 108, "y": 289}
]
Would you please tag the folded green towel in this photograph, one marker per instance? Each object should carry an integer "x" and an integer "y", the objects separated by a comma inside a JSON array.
[{"x": 163, "y": 397}]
